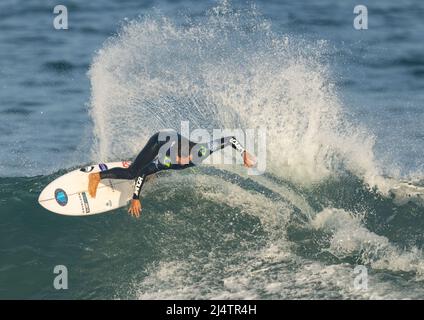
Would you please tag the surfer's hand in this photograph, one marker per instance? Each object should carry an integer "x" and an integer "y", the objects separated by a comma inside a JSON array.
[
  {"x": 135, "y": 208},
  {"x": 249, "y": 160}
]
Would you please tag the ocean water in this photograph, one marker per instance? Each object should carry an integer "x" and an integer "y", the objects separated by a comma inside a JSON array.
[{"x": 343, "y": 110}]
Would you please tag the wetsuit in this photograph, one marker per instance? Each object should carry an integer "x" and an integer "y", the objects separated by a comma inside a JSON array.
[{"x": 153, "y": 158}]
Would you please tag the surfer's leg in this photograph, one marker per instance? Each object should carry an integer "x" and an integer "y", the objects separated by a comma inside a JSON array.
[
  {"x": 145, "y": 157},
  {"x": 114, "y": 173}
]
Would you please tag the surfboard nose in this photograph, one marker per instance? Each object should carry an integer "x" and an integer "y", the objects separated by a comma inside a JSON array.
[
  {"x": 43, "y": 196},
  {"x": 41, "y": 201},
  {"x": 54, "y": 199}
]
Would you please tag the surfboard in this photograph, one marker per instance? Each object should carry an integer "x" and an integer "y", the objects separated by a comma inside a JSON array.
[{"x": 68, "y": 195}]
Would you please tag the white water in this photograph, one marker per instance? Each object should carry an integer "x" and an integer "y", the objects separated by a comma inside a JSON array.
[
  {"x": 274, "y": 270},
  {"x": 228, "y": 71},
  {"x": 350, "y": 237}
]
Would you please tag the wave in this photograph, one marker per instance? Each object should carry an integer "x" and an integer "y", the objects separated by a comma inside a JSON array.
[
  {"x": 325, "y": 199},
  {"x": 228, "y": 70},
  {"x": 217, "y": 234},
  {"x": 322, "y": 207}
]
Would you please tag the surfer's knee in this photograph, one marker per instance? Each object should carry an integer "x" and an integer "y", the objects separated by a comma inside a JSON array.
[
  {"x": 132, "y": 172},
  {"x": 165, "y": 135},
  {"x": 154, "y": 139}
]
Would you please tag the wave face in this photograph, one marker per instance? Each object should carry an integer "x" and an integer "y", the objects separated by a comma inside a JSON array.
[
  {"x": 313, "y": 216},
  {"x": 227, "y": 71},
  {"x": 296, "y": 232},
  {"x": 215, "y": 234}
]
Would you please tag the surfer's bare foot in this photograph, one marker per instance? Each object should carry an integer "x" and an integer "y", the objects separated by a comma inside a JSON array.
[{"x": 93, "y": 182}]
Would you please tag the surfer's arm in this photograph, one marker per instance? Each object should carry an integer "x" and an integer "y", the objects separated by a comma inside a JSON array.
[
  {"x": 139, "y": 182},
  {"x": 248, "y": 159},
  {"x": 135, "y": 206}
]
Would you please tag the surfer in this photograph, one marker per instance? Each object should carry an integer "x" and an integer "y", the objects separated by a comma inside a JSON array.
[{"x": 165, "y": 150}]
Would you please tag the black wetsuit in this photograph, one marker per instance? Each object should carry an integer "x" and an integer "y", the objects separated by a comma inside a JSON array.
[{"x": 153, "y": 158}]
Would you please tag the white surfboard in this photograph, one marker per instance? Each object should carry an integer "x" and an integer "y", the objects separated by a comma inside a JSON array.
[{"x": 68, "y": 194}]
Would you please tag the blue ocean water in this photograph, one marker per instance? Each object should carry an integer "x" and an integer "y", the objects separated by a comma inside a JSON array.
[{"x": 343, "y": 109}]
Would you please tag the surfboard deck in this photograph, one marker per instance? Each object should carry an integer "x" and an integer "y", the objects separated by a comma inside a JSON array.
[{"x": 68, "y": 194}]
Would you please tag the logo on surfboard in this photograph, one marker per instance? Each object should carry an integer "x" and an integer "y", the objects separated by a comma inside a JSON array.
[
  {"x": 84, "y": 202},
  {"x": 61, "y": 197}
]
